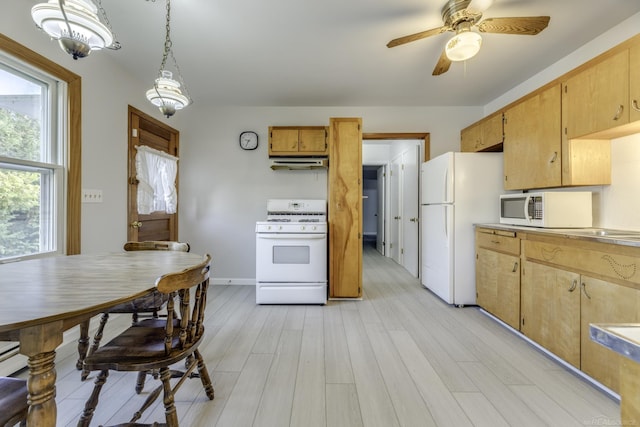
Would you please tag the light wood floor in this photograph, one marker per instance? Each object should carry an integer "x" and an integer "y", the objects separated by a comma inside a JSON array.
[{"x": 399, "y": 357}]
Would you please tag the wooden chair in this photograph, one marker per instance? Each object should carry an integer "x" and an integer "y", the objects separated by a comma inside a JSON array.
[
  {"x": 149, "y": 304},
  {"x": 157, "y": 343},
  {"x": 13, "y": 401}
]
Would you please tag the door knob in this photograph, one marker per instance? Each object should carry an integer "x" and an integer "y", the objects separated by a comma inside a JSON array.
[{"x": 136, "y": 224}]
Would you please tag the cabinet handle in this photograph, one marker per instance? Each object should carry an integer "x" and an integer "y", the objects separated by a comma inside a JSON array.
[
  {"x": 573, "y": 285},
  {"x": 515, "y": 267},
  {"x": 584, "y": 290},
  {"x": 619, "y": 112},
  {"x": 635, "y": 105},
  {"x": 496, "y": 242},
  {"x": 554, "y": 158}
]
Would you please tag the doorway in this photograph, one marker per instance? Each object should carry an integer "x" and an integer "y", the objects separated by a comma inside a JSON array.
[{"x": 391, "y": 165}]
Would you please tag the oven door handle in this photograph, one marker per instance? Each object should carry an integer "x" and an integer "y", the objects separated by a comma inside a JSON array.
[{"x": 284, "y": 236}]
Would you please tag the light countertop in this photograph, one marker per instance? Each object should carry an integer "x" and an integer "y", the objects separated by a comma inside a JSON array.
[{"x": 603, "y": 235}]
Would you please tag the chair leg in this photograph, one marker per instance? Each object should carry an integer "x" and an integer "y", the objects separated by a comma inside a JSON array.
[
  {"x": 142, "y": 376},
  {"x": 204, "y": 375},
  {"x": 170, "y": 413},
  {"x": 83, "y": 343},
  {"x": 92, "y": 402},
  {"x": 96, "y": 342}
]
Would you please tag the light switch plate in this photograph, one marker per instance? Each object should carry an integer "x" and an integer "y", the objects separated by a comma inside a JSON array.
[{"x": 91, "y": 196}]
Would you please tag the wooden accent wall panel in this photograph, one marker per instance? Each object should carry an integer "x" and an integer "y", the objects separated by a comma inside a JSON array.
[{"x": 345, "y": 208}]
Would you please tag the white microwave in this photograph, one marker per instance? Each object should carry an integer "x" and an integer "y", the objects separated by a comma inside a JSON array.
[{"x": 552, "y": 209}]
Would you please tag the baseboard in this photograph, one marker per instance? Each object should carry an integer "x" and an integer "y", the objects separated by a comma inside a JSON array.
[
  {"x": 567, "y": 365},
  {"x": 235, "y": 281}
]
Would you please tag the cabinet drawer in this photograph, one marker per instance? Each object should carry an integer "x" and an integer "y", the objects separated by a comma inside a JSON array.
[
  {"x": 605, "y": 265},
  {"x": 506, "y": 242}
]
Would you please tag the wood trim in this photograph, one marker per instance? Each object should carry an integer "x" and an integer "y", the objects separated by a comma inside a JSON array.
[
  {"x": 390, "y": 136},
  {"x": 74, "y": 99}
]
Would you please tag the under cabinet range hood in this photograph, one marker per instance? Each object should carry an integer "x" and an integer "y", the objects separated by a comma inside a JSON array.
[{"x": 298, "y": 163}]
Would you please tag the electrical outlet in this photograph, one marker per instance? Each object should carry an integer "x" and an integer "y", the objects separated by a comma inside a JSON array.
[{"x": 91, "y": 196}]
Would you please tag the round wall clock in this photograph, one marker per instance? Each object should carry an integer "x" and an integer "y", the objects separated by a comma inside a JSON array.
[{"x": 248, "y": 140}]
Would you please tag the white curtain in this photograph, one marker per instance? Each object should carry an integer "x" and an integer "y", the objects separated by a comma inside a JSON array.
[{"x": 156, "y": 173}]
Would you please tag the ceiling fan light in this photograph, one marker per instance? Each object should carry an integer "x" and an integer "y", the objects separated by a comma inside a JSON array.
[
  {"x": 87, "y": 32},
  {"x": 463, "y": 46},
  {"x": 166, "y": 95}
]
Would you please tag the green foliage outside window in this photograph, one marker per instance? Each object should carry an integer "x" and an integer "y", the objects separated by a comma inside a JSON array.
[{"x": 19, "y": 190}]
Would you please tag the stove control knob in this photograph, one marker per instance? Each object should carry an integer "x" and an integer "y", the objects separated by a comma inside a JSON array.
[
  {"x": 279, "y": 227},
  {"x": 302, "y": 228}
]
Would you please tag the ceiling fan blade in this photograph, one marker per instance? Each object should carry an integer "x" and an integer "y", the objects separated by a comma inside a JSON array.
[
  {"x": 479, "y": 6},
  {"x": 418, "y": 36},
  {"x": 528, "y": 25},
  {"x": 443, "y": 64}
]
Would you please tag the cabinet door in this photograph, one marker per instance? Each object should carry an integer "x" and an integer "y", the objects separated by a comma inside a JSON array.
[
  {"x": 634, "y": 83},
  {"x": 470, "y": 138},
  {"x": 313, "y": 141},
  {"x": 491, "y": 132},
  {"x": 283, "y": 141},
  {"x": 533, "y": 141},
  {"x": 551, "y": 310},
  {"x": 598, "y": 97},
  {"x": 605, "y": 302},
  {"x": 345, "y": 208},
  {"x": 498, "y": 285}
]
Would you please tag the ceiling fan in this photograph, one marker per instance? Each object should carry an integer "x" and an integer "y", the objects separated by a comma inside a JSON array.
[{"x": 460, "y": 16}]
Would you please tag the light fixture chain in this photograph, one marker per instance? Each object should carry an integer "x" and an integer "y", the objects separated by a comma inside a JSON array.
[
  {"x": 116, "y": 44},
  {"x": 180, "y": 79},
  {"x": 167, "y": 39}
]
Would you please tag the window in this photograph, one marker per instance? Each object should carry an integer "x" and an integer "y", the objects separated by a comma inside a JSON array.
[{"x": 32, "y": 161}]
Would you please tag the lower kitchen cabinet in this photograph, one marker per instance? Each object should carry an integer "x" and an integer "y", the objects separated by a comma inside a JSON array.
[
  {"x": 550, "y": 310},
  {"x": 498, "y": 274},
  {"x": 561, "y": 298},
  {"x": 605, "y": 302}
]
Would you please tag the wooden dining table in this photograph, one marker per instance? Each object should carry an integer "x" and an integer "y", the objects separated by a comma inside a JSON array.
[{"x": 42, "y": 298}]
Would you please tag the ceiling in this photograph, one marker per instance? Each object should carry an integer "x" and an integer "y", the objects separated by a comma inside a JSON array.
[{"x": 333, "y": 52}]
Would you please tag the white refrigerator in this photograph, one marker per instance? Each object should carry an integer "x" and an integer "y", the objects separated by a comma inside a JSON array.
[{"x": 457, "y": 191}]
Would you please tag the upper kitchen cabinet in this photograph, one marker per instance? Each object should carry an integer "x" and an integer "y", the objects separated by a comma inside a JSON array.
[
  {"x": 634, "y": 83},
  {"x": 485, "y": 135},
  {"x": 298, "y": 141},
  {"x": 597, "y": 98},
  {"x": 533, "y": 141}
]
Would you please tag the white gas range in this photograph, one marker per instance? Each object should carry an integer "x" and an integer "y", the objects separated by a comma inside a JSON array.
[{"x": 291, "y": 253}]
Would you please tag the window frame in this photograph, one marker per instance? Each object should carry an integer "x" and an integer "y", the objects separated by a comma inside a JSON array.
[{"x": 73, "y": 116}]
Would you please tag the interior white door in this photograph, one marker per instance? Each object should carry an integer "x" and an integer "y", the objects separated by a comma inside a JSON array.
[
  {"x": 381, "y": 219},
  {"x": 410, "y": 208},
  {"x": 394, "y": 210}
]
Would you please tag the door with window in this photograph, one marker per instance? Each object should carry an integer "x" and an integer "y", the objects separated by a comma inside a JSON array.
[{"x": 146, "y": 131}]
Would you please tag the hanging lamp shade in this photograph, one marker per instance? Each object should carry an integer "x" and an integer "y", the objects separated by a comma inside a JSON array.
[
  {"x": 166, "y": 95},
  {"x": 74, "y": 24}
]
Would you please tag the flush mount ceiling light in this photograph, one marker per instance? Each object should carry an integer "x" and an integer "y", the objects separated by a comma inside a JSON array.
[
  {"x": 75, "y": 25},
  {"x": 464, "y": 45},
  {"x": 165, "y": 93}
]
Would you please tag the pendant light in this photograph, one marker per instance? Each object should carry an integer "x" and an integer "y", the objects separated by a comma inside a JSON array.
[
  {"x": 75, "y": 25},
  {"x": 165, "y": 93}
]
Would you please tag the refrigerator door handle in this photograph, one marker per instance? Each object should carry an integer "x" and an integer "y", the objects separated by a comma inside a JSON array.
[
  {"x": 446, "y": 187},
  {"x": 446, "y": 225}
]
